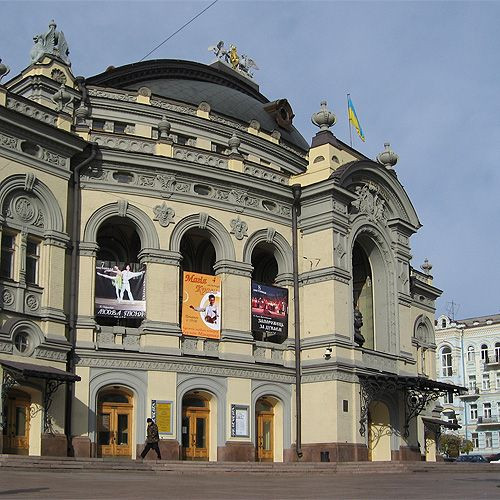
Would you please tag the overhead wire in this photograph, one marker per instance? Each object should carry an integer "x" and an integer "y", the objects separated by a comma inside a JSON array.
[{"x": 180, "y": 29}]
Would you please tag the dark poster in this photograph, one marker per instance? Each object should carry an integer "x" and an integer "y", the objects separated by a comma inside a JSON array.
[
  {"x": 269, "y": 311},
  {"x": 120, "y": 291}
]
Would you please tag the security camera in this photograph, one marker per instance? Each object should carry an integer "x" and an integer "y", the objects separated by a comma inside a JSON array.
[{"x": 328, "y": 353}]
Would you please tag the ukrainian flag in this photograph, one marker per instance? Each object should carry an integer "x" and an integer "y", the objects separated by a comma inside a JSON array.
[{"x": 354, "y": 119}]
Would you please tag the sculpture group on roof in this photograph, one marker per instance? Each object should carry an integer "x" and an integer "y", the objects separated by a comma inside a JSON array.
[
  {"x": 239, "y": 62},
  {"x": 52, "y": 42}
]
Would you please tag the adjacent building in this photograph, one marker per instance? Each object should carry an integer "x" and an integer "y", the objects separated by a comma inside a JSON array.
[
  {"x": 468, "y": 354},
  {"x": 172, "y": 247}
]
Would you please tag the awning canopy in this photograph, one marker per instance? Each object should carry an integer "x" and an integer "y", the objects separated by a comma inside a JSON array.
[
  {"x": 440, "y": 423},
  {"x": 26, "y": 370}
]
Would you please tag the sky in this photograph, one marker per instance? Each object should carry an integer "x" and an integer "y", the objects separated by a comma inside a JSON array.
[{"x": 423, "y": 76}]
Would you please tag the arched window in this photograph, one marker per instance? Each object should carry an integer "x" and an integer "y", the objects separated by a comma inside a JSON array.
[
  {"x": 362, "y": 289},
  {"x": 470, "y": 353},
  {"x": 484, "y": 353},
  {"x": 443, "y": 323},
  {"x": 446, "y": 362},
  {"x": 497, "y": 352}
]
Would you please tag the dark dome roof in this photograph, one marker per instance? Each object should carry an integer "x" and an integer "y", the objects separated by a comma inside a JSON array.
[{"x": 227, "y": 93}]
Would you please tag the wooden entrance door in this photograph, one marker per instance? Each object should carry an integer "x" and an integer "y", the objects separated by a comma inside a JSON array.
[
  {"x": 16, "y": 432},
  {"x": 265, "y": 436},
  {"x": 114, "y": 424},
  {"x": 195, "y": 423}
]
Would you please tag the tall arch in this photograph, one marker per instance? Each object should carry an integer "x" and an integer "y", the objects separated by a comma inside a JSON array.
[
  {"x": 379, "y": 253},
  {"x": 220, "y": 238},
  {"x": 144, "y": 225},
  {"x": 283, "y": 250},
  {"x": 423, "y": 331},
  {"x": 30, "y": 184},
  {"x": 135, "y": 381},
  {"x": 212, "y": 385}
]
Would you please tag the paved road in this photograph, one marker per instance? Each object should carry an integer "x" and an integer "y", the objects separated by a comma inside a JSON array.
[{"x": 235, "y": 486}]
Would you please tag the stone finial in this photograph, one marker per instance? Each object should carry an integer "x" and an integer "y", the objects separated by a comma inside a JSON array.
[
  {"x": 164, "y": 127},
  {"x": 4, "y": 70},
  {"x": 62, "y": 98},
  {"x": 81, "y": 114},
  {"x": 388, "y": 158},
  {"x": 234, "y": 143},
  {"x": 324, "y": 119},
  {"x": 426, "y": 266}
]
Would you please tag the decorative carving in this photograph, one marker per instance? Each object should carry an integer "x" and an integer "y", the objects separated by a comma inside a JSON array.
[
  {"x": 122, "y": 208},
  {"x": 190, "y": 344},
  {"x": 426, "y": 266},
  {"x": 29, "y": 182},
  {"x": 202, "y": 224},
  {"x": 163, "y": 214},
  {"x": 24, "y": 209},
  {"x": 254, "y": 124},
  {"x": 58, "y": 76},
  {"x": 117, "y": 96},
  {"x": 211, "y": 346},
  {"x": 131, "y": 340},
  {"x": 197, "y": 157},
  {"x": 7, "y": 297},
  {"x": 264, "y": 174},
  {"x": 32, "y": 302},
  {"x": 370, "y": 203},
  {"x": 31, "y": 110},
  {"x": 324, "y": 119},
  {"x": 270, "y": 234},
  {"x": 125, "y": 144},
  {"x": 62, "y": 98},
  {"x": 53, "y": 42},
  {"x": 167, "y": 183},
  {"x": 144, "y": 92},
  {"x": 9, "y": 142},
  {"x": 204, "y": 106},
  {"x": 239, "y": 228}
]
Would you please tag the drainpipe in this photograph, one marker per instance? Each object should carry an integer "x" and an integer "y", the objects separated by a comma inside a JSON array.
[
  {"x": 297, "y": 191},
  {"x": 464, "y": 382},
  {"x": 75, "y": 229}
]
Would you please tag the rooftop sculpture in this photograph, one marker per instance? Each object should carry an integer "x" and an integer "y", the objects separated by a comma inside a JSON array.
[
  {"x": 53, "y": 43},
  {"x": 239, "y": 62}
]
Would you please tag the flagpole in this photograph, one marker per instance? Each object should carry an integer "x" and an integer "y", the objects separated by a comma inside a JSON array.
[{"x": 349, "y": 120}]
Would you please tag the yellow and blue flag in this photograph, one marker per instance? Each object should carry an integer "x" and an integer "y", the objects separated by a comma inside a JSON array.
[{"x": 354, "y": 119}]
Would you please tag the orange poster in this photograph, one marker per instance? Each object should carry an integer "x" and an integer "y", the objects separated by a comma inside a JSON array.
[{"x": 201, "y": 305}]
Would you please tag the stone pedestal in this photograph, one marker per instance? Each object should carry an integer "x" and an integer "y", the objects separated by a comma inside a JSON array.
[
  {"x": 235, "y": 451},
  {"x": 169, "y": 449},
  {"x": 54, "y": 445},
  {"x": 333, "y": 452},
  {"x": 81, "y": 447}
]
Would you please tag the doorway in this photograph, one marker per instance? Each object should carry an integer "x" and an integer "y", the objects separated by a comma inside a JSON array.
[
  {"x": 114, "y": 423},
  {"x": 379, "y": 432},
  {"x": 264, "y": 412},
  {"x": 16, "y": 430},
  {"x": 195, "y": 428}
]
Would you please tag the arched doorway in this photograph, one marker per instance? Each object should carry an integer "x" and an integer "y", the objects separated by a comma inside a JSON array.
[
  {"x": 379, "y": 432},
  {"x": 16, "y": 412},
  {"x": 195, "y": 426},
  {"x": 264, "y": 425},
  {"x": 114, "y": 422}
]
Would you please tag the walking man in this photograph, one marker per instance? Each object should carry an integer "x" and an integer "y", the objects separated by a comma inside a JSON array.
[{"x": 152, "y": 439}]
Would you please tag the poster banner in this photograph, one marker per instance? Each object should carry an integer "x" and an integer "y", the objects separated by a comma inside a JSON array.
[
  {"x": 269, "y": 311},
  {"x": 239, "y": 421},
  {"x": 162, "y": 415},
  {"x": 201, "y": 305},
  {"x": 120, "y": 291}
]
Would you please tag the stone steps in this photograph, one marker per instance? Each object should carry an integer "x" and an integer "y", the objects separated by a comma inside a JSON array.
[{"x": 55, "y": 464}]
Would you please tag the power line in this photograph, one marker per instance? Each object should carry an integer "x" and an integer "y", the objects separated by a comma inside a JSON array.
[{"x": 180, "y": 29}]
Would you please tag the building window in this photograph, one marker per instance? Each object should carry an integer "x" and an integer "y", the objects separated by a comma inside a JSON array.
[
  {"x": 218, "y": 148},
  {"x": 470, "y": 353},
  {"x": 98, "y": 124},
  {"x": 475, "y": 440},
  {"x": 443, "y": 323},
  {"x": 185, "y": 140},
  {"x": 473, "y": 411},
  {"x": 498, "y": 413},
  {"x": 32, "y": 260},
  {"x": 498, "y": 380},
  {"x": 488, "y": 439},
  {"x": 487, "y": 410},
  {"x": 497, "y": 352},
  {"x": 484, "y": 353},
  {"x": 472, "y": 382},
  {"x": 21, "y": 342},
  {"x": 486, "y": 382},
  {"x": 446, "y": 367},
  {"x": 7, "y": 256},
  {"x": 448, "y": 398}
]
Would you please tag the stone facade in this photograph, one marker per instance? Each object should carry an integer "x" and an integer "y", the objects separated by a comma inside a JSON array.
[{"x": 153, "y": 179}]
